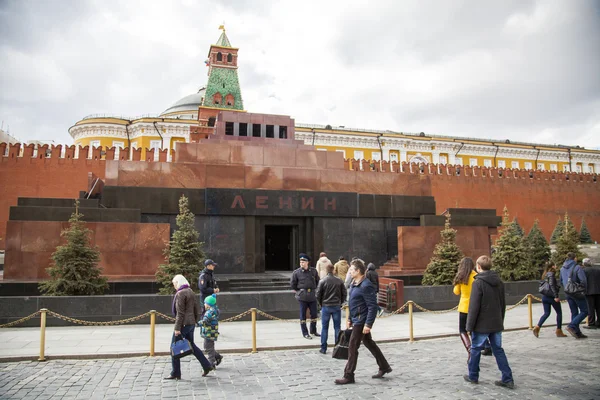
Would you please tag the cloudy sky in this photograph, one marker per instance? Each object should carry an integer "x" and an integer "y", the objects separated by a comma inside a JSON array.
[{"x": 504, "y": 69}]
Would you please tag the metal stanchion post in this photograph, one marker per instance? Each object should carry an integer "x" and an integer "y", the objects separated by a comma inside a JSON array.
[
  {"x": 43, "y": 334},
  {"x": 253, "y": 330},
  {"x": 152, "y": 331},
  {"x": 530, "y": 306},
  {"x": 410, "y": 321}
]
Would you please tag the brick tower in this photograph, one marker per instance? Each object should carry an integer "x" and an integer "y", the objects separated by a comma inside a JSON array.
[{"x": 223, "y": 88}]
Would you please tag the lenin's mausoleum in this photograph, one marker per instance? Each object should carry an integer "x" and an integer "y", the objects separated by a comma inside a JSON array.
[{"x": 264, "y": 188}]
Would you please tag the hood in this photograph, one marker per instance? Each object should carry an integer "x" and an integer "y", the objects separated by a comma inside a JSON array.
[
  {"x": 342, "y": 262},
  {"x": 489, "y": 277},
  {"x": 371, "y": 267},
  {"x": 324, "y": 259},
  {"x": 569, "y": 264}
]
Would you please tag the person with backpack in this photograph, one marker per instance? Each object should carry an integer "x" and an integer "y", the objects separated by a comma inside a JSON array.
[
  {"x": 574, "y": 282},
  {"x": 550, "y": 300}
]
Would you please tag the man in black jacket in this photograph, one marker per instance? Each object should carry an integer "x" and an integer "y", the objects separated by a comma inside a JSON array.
[
  {"x": 331, "y": 292},
  {"x": 304, "y": 282},
  {"x": 485, "y": 319},
  {"x": 206, "y": 281}
]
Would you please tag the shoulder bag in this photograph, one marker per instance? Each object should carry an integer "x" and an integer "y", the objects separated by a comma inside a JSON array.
[
  {"x": 574, "y": 288},
  {"x": 545, "y": 288}
]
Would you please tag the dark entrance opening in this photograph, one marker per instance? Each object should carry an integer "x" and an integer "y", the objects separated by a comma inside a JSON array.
[{"x": 280, "y": 245}]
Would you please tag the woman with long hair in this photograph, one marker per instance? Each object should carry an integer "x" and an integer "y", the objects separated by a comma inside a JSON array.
[
  {"x": 550, "y": 299},
  {"x": 462, "y": 287},
  {"x": 463, "y": 281}
]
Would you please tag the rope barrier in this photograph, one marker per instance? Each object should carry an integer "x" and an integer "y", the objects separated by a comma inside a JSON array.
[
  {"x": 97, "y": 323},
  {"x": 19, "y": 321}
]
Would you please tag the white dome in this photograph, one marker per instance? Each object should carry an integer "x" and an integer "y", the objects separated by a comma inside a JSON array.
[{"x": 187, "y": 104}]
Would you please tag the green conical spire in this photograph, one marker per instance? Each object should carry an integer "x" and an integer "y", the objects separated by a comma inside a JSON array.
[{"x": 223, "y": 39}]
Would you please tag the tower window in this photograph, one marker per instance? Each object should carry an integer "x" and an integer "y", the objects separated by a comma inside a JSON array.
[
  {"x": 211, "y": 121},
  {"x": 229, "y": 99},
  {"x": 229, "y": 58},
  {"x": 217, "y": 98},
  {"x": 219, "y": 56}
]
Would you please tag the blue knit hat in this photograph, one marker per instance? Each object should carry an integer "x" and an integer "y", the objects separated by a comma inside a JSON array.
[{"x": 211, "y": 300}]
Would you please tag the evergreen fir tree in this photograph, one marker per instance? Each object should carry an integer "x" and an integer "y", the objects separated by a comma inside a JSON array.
[
  {"x": 444, "y": 263},
  {"x": 567, "y": 242},
  {"x": 518, "y": 228},
  {"x": 509, "y": 258},
  {"x": 536, "y": 247},
  {"x": 184, "y": 253},
  {"x": 75, "y": 270},
  {"x": 560, "y": 226},
  {"x": 584, "y": 234}
]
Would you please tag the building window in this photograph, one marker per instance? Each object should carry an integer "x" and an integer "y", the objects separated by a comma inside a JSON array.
[
  {"x": 229, "y": 128},
  {"x": 579, "y": 169},
  {"x": 134, "y": 145},
  {"x": 229, "y": 100},
  {"x": 458, "y": 161},
  {"x": 553, "y": 167},
  {"x": 229, "y": 58},
  {"x": 501, "y": 164},
  {"x": 528, "y": 166},
  {"x": 376, "y": 156},
  {"x": 217, "y": 98},
  {"x": 212, "y": 121},
  {"x": 155, "y": 144},
  {"x": 282, "y": 132},
  {"x": 443, "y": 160},
  {"x": 541, "y": 166},
  {"x": 487, "y": 163},
  {"x": 93, "y": 143},
  {"x": 565, "y": 167},
  {"x": 515, "y": 165},
  {"x": 270, "y": 131},
  {"x": 256, "y": 130},
  {"x": 342, "y": 151},
  {"x": 591, "y": 168},
  {"x": 359, "y": 155},
  {"x": 243, "y": 129},
  {"x": 118, "y": 146},
  {"x": 473, "y": 162},
  {"x": 393, "y": 157},
  {"x": 219, "y": 56}
]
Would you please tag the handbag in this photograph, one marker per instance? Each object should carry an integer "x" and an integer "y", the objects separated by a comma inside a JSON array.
[
  {"x": 340, "y": 351},
  {"x": 181, "y": 347},
  {"x": 545, "y": 288},
  {"x": 573, "y": 288}
]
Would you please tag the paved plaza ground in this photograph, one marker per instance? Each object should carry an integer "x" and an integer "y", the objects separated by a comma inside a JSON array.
[{"x": 544, "y": 368}]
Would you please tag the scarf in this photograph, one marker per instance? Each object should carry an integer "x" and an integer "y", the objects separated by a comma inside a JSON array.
[{"x": 175, "y": 298}]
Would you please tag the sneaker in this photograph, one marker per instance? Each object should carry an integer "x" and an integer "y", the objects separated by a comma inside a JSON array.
[
  {"x": 509, "y": 385},
  {"x": 316, "y": 334},
  {"x": 581, "y": 336},
  {"x": 218, "y": 360},
  {"x": 486, "y": 352},
  {"x": 590, "y": 326},
  {"x": 380, "y": 312},
  {"x": 572, "y": 331},
  {"x": 172, "y": 377},
  {"x": 307, "y": 337},
  {"x": 466, "y": 378},
  {"x": 207, "y": 370},
  {"x": 322, "y": 351}
]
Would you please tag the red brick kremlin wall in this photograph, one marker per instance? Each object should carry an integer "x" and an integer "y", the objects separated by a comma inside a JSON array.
[{"x": 545, "y": 195}]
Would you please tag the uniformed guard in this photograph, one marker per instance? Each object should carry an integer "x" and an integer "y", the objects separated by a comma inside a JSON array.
[
  {"x": 304, "y": 282},
  {"x": 206, "y": 281}
]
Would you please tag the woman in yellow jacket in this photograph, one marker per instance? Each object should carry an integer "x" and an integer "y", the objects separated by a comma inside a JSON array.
[{"x": 463, "y": 281}]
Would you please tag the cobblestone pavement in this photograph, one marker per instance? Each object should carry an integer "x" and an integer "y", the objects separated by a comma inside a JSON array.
[{"x": 544, "y": 368}]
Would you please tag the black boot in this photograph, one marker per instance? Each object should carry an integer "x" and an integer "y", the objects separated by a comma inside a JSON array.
[{"x": 466, "y": 340}]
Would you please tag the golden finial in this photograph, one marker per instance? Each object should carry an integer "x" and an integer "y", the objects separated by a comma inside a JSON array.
[{"x": 222, "y": 27}]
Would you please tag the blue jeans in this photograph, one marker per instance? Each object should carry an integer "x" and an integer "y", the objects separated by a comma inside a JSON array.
[
  {"x": 477, "y": 343},
  {"x": 579, "y": 311},
  {"x": 328, "y": 312},
  {"x": 188, "y": 333},
  {"x": 306, "y": 305},
  {"x": 549, "y": 303}
]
